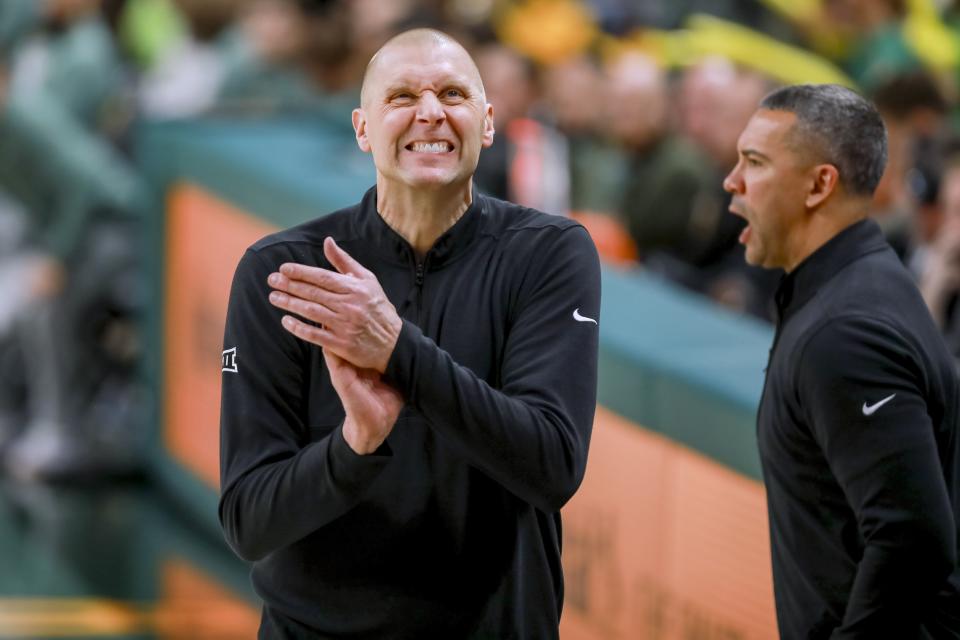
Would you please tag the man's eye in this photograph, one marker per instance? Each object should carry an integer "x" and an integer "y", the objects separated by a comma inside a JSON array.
[{"x": 453, "y": 93}]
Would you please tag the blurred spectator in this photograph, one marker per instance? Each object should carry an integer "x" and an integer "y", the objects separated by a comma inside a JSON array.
[
  {"x": 914, "y": 112},
  {"x": 667, "y": 179},
  {"x": 64, "y": 52},
  {"x": 716, "y": 101},
  {"x": 527, "y": 162},
  {"x": 188, "y": 76},
  {"x": 508, "y": 79},
  {"x": 74, "y": 267},
  {"x": 865, "y": 37},
  {"x": 80, "y": 294},
  {"x": 549, "y": 32},
  {"x": 374, "y": 22},
  {"x": 927, "y": 218},
  {"x": 574, "y": 92},
  {"x": 876, "y": 47},
  {"x": 715, "y": 98},
  {"x": 257, "y": 57},
  {"x": 331, "y": 58},
  {"x": 940, "y": 277}
]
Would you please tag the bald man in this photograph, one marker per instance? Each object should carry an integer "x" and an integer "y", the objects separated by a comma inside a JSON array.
[{"x": 409, "y": 384}]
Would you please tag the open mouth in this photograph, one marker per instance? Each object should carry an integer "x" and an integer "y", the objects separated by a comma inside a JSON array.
[
  {"x": 419, "y": 146},
  {"x": 747, "y": 230}
]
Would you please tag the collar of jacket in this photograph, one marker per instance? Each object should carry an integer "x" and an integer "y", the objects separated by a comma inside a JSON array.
[
  {"x": 392, "y": 246},
  {"x": 801, "y": 284}
]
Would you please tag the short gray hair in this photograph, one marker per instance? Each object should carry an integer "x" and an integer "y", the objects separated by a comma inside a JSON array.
[{"x": 841, "y": 127}]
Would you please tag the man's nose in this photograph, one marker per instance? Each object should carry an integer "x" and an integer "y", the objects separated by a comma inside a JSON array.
[
  {"x": 429, "y": 109},
  {"x": 732, "y": 182}
]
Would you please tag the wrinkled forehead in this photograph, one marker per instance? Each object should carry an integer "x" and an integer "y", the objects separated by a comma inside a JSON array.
[{"x": 420, "y": 63}]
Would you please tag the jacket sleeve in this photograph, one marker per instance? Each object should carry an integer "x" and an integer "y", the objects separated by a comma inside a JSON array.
[
  {"x": 531, "y": 434},
  {"x": 276, "y": 486},
  {"x": 862, "y": 386}
]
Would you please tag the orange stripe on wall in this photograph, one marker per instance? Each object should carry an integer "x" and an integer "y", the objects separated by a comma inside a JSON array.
[{"x": 205, "y": 239}]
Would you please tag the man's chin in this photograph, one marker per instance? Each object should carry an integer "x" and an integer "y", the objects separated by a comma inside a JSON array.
[
  {"x": 752, "y": 257},
  {"x": 429, "y": 180}
]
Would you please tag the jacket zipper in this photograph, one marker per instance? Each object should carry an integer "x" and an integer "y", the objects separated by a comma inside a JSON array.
[{"x": 418, "y": 280}]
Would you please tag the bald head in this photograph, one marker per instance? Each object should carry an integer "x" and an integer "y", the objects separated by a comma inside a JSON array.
[
  {"x": 423, "y": 113},
  {"x": 637, "y": 101},
  {"x": 439, "y": 43}
]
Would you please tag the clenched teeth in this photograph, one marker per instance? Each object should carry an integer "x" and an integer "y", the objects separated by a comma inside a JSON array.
[{"x": 430, "y": 147}]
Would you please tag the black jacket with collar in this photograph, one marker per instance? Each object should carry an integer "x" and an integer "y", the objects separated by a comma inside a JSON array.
[
  {"x": 858, "y": 440},
  {"x": 452, "y": 529}
]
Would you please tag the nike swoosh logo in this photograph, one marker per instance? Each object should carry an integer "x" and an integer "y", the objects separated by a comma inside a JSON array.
[
  {"x": 869, "y": 410},
  {"x": 580, "y": 318}
]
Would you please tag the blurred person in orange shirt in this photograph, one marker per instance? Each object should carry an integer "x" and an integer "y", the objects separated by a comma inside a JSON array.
[{"x": 528, "y": 162}]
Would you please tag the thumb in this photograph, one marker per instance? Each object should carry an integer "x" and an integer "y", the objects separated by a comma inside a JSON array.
[
  {"x": 341, "y": 260},
  {"x": 333, "y": 361}
]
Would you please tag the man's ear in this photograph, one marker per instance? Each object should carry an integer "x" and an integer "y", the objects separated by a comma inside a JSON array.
[
  {"x": 488, "y": 129},
  {"x": 360, "y": 129},
  {"x": 825, "y": 182}
]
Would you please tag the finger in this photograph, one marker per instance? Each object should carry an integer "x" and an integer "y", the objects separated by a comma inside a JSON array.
[
  {"x": 341, "y": 260},
  {"x": 343, "y": 375},
  {"x": 322, "y": 278},
  {"x": 301, "y": 289},
  {"x": 319, "y": 336},
  {"x": 335, "y": 302},
  {"x": 304, "y": 308},
  {"x": 334, "y": 362}
]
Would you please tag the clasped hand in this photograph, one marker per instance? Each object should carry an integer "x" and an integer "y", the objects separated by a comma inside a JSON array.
[{"x": 357, "y": 327}]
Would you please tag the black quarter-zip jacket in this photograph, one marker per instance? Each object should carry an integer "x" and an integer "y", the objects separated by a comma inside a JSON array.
[
  {"x": 452, "y": 528},
  {"x": 857, "y": 430}
]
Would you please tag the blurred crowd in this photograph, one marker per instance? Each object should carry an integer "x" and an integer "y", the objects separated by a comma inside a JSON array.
[{"x": 621, "y": 113}]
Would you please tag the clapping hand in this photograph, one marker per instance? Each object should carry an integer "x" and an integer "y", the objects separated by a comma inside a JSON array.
[{"x": 357, "y": 327}]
